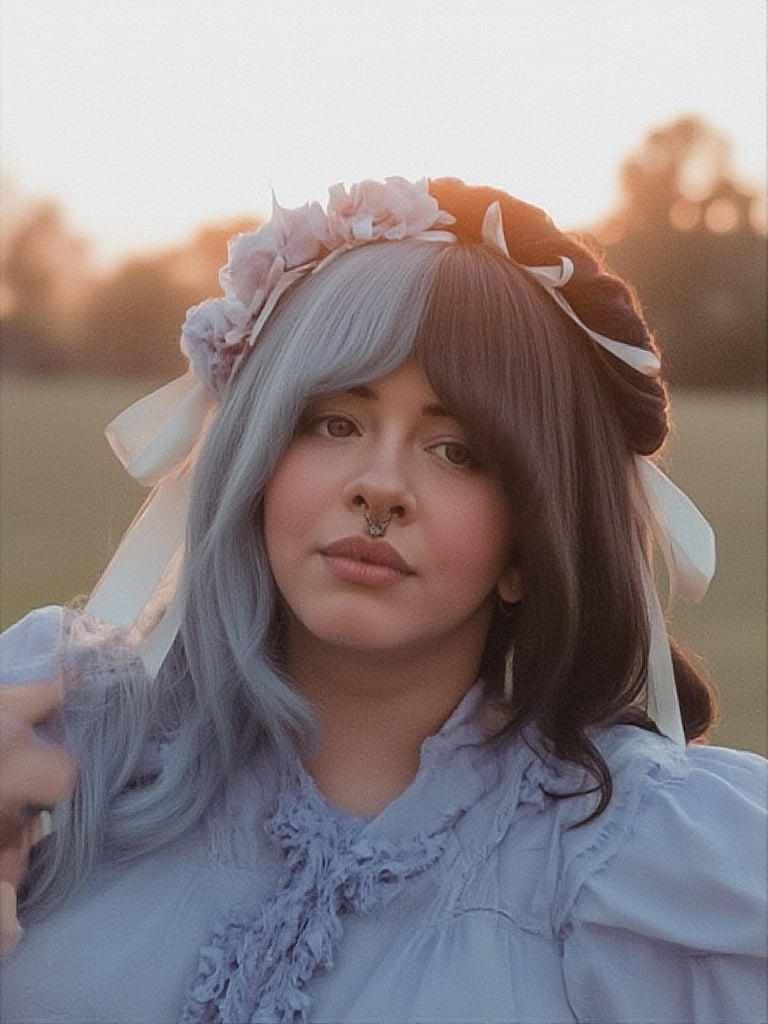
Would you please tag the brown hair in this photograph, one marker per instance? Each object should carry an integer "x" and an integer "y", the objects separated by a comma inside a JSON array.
[{"x": 558, "y": 421}]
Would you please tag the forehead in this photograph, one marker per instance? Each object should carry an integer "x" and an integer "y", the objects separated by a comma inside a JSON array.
[{"x": 408, "y": 385}]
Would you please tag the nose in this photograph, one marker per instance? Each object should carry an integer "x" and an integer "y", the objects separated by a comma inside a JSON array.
[
  {"x": 381, "y": 489},
  {"x": 376, "y": 525}
]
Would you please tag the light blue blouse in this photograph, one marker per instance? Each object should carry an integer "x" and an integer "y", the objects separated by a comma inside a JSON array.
[{"x": 471, "y": 898}]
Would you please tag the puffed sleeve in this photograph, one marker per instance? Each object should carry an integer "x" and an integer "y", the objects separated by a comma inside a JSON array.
[
  {"x": 30, "y": 649},
  {"x": 672, "y": 928}
]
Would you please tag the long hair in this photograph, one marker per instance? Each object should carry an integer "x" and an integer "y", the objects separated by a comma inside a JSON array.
[
  {"x": 156, "y": 755},
  {"x": 540, "y": 407}
]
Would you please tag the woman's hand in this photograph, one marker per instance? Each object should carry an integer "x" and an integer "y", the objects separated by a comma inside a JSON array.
[{"x": 34, "y": 774}]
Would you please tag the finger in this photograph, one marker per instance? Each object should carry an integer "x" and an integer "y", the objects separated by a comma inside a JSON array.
[
  {"x": 10, "y": 929},
  {"x": 32, "y": 771},
  {"x": 13, "y": 866},
  {"x": 18, "y": 827},
  {"x": 14, "y": 858},
  {"x": 32, "y": 702}
]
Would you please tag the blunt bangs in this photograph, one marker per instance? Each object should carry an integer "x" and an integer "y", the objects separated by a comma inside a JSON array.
[{"x": 495, "y": 350}]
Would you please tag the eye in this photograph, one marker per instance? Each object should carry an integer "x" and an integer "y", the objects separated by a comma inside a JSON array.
[
  {"x": 454, "y": 452},
  {"x": 333, "y": 426}
]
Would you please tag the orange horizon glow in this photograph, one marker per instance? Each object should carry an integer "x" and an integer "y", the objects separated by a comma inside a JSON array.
[{"x": 145, "y": 124}]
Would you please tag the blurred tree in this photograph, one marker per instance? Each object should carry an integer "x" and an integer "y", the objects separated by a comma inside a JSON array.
[
  {"x": 686, "y": 160},
  {"x": 686, "y": 235},
  {"x": 58, "y": 315},
  {"x": 45, "y": 270},
  {"x": 196, "y": 264},
  {"x": 131, "y": 321},
  {"x": 133, "y": 318}
]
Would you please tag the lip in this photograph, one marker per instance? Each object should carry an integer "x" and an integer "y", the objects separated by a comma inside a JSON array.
[{"x": 366, "y": 561}]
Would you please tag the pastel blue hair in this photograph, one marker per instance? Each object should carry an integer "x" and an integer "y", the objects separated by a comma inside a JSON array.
[
  {"x": 154, "y": 756},
  {"x": 553, "y": 416}
]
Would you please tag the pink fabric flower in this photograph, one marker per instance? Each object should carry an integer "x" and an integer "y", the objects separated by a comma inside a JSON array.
[
  {"x": 263, "y": 264},
  {"x": 213, "y": 338},
  {"x": 293, "y": 235},
  {"x": 390, "y": 210}
]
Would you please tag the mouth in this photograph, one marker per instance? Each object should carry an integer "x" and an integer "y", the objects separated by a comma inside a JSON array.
[{"x": 365, "y": 561}]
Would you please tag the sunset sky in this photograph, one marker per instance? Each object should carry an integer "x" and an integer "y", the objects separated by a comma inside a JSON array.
[{"x": 145, "y": 118}]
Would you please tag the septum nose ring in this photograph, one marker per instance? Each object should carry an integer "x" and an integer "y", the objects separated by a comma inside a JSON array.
[{"x": 374, "y": 527}]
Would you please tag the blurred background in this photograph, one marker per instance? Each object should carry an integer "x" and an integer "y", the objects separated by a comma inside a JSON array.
[{"x": 138, "y": 135}]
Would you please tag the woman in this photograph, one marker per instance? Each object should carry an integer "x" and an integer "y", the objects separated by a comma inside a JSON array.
[{"x": 396, "y": 737}]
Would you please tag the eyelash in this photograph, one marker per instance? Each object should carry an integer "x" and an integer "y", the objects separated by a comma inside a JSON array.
[
  {"x": 315, "y": 424},
  {"x": 467, "y": 459},
  {"x": 321, "y": 424}
]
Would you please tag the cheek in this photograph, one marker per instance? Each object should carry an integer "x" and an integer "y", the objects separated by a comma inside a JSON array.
[
  {"x": 281, "y": 503},
  {"x": 478, "y": 537},
  {"x": 292, "y": 507},
  {"x": 290, "y": 488},
  {"x": 282, "y": 489},
  {"x": 495, "y": 547}
]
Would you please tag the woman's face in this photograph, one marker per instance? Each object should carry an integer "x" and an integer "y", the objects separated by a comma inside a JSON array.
[{"x": 435, "y": 576}]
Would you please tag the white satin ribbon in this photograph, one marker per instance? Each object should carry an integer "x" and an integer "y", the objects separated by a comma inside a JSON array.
[
  {"x": 553, "y": 279},
  {"x": 685, "y": 538},
  {"x": 661, "y": 704},
  {"x": 157, "y": 439},
  {"x": 687, "y": 544},
  {"x": 279, "y": 280}
]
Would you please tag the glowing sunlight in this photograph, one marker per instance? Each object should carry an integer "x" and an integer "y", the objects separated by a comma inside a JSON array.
[{"x": 144, "y": 121}]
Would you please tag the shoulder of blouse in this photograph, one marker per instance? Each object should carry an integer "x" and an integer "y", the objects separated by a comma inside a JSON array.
[
  {"x": 680, "y": 854},
  {"x": 679, "y": 819},
  {"x": 30, "y": 649}
]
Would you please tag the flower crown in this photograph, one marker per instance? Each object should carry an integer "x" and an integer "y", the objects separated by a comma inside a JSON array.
[
  {"x": 218, "y": 333},
  {"x": 159, "y": 437}
]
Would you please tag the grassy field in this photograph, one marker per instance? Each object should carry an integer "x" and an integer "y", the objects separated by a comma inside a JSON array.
[{"x": 65, "y": 501}]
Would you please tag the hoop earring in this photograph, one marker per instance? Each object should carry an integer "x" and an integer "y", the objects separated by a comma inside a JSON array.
[
  {"x": 509, "y": 681},
  {"x": 507, "y": 608}
]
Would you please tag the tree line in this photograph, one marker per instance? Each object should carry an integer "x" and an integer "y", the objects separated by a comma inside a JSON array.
[{"x": 685, "y": 232}]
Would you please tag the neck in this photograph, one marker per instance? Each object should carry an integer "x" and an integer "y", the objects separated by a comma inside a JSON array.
[{"x": 375, "y": 710}]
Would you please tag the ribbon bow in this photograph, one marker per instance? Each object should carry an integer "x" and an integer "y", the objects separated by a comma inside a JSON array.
[{"x": 157, "y": 439}]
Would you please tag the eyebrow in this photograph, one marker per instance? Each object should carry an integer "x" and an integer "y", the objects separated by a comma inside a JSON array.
[{"x": 431, "y": 409}]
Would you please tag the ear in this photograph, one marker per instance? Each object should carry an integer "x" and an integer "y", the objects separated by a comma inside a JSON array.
[{"x": 510, "y": 586}]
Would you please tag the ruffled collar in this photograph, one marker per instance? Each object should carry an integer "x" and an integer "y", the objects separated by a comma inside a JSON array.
[{"x": 259, "y": 959}]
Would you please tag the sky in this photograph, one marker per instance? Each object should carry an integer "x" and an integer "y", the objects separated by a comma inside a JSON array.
[{"x": 147, "y": 118}]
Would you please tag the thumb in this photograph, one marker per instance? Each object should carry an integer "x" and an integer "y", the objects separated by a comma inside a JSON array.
[
  {"x": 32, "y": 702},
  {"x": 10, "y": 929}
]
